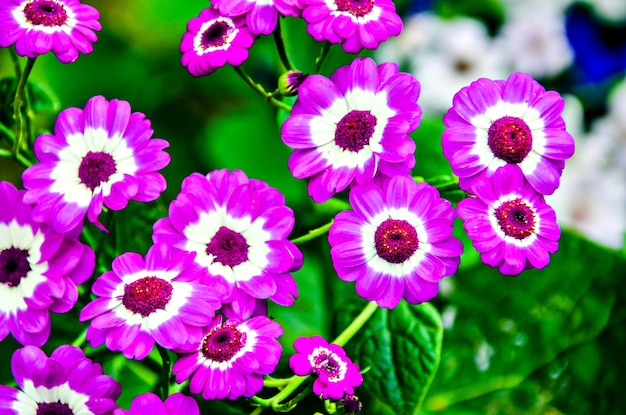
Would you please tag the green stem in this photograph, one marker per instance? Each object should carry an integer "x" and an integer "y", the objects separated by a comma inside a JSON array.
[
  {"x": 280, "y": 47},
  {"x": 320, "y": 59},
  {"x": 313, "y": 233},
  {"x": 270, "y": 382},
  {"x": 7, "y": 132},
  {"x": 81, "y": 339},
  {"x": 17, "y": 105},
  {"x": 19, "y": 157},
  {"x": 260, "y": 90},
  {"x": 356, "y": 324},
  {"x": 165, "y": 373}
]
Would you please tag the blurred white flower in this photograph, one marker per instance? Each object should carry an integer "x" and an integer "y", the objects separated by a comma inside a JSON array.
[{"x": 612, "y": 10}]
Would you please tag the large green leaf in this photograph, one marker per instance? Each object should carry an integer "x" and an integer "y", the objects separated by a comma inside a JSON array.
[{"x": 401, "y": 348}]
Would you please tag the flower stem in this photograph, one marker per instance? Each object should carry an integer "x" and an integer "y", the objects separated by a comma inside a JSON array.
[
  {"x": 280, "y": 47},
  {"x": 356, "y": 324},
  {"x": 320, "y": 59},
  {"x": 81, "y": 339},
  {"x": 260, "y": 90},
  {"x": 313, "y": 233},
  {"x": 17, "y": 105},
  {"x": 19, "y": 157},
  {"x": 165, "y": 373}
]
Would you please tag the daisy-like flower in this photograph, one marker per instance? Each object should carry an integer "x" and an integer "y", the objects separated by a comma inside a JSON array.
[
  {"x": 232, "y": 358},
  {"x": 102, "y": 155},
  {"x": 142, "y": 302},
  {"x": 352, "y": 126},
  {"x": 238, "y": 228},
  {"x": 356, "y": 24},
  {"x": 150, "y": 404},
  {"x": 65, "y": 383},
  {"x": 261, "y": 15},
  {"x": 336, "y": 375},
  {"x": 509, "y": 223},
  {"x": 213, "y": 40},
  {"x": 64, "y": 27},
  {"x": 494, "y": 123},
  {"x": 39, "y": 270},
  {"x": 396, "y": 243}
]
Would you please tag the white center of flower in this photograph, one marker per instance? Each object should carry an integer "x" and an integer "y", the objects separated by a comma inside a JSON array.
[
  {"x": 216, "y": 34},
  {"x": 32, "y": 396}
]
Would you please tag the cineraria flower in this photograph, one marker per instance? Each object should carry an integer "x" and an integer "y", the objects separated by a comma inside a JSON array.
[
  {"x": 336, "y": 375},
  {"x": 509, "y": 223},
  {"x": 232, "y": 358},
  {"x": 397, "y": 242},
  {"x": 494, "y": 123},
  {"x": 159, "y": 299},
  {"x": 212, "y": 40},
  {"x": 64, "y": 27},
  {"x": 151, "y": 404},
  {"x": 290, "y": 81},
  {"x": 352, "y": 126},
  {"x": 238, "y": 228},
  {"x": 39, "y": 270},
  {"x": 351, "y": 404},
  {"x": 102, "y": 155},
  {"x": 356, "y": 24},
  {"x": 261, "y": 15},
  {"x": 66, "y": 383}
]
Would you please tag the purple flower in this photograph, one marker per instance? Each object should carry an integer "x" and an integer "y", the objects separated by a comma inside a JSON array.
[
  {"x": 102, "y": 155},
  {"x": 494, "y": 123},
  {"x": 232, "y": 358},
  {"x": 67, "y": 382},
  {"x": 356, "y": 24},
  {"x": 212, "y": 40},
  {"x": 353, "y": 126},
  {"x": 64, "y": 27},
  {"x": 261, "y": 15},
  {"x": 150, "y": 404},
  {"x": 159, "y": 299},
  {"x": 39, "y": 270},
  {"x": 397, "y": 242},
  {"x": 290, "y": 81},
  {"x": 337, "y": 376},
  {"x": 238, "y": 228},
  {"x": 509, "y": 223}
]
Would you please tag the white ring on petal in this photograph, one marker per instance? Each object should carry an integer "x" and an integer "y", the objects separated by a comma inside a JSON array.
[
  {"x": 493, "y": 220},
  {"x": 199, "y": 48},
  {"x": 374, "y": 14},
  {"x": 66, "y": 27},
  {"x": 62, "y": 393}
]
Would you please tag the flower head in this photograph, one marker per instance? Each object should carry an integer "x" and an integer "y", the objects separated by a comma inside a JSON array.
[
  {"x": 232, "y": 358},
  {"x": 100, "y": 156},
  {"x": 494, "y": 123},
  {"x": 352, "y": 126},
  {"x": 238, "y": 229},
  {"x": 150, "y": 404},
  {"x": 509, "y": 223},
  {"x": 261, "y": 15},
  {"x": 67, "y": 382},
  {"x": 336, "y": 375},
  {"x": 356, "y": 24},
  {"x": 213, "y": 40},
  {"x": 39, "y": 270},
  {"x": 142, "y": 302},
  {"x": 290, "y": 81},
  {"x": 396, "y": 243},
  {"x": 64, "y": 27}
]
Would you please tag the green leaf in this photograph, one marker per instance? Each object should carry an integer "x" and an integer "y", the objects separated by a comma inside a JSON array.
[{"x": 401, "y": 347}]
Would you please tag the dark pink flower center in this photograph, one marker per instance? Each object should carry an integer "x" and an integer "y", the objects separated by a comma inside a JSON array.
[
  {"x": 216, "y": 35},
  {"x": 510, "y": 139},
  {"x": 329, "y": 364},
  {"x": 228, "y": 247},
  {"x": 13, "y": 266},
  {"x": 53, "y": 408},
  {"x": 354, "y": 130},
  {"x": 223, "y": 343},
  {"x": 147, "y": 295},
  {"x": 516, "y": 219},
  {"x": 356, "y": 8},
  {"x": 45, "y": 13},
  {"x": 395, "y": 240},
  {"x": 96, "y": 168}
]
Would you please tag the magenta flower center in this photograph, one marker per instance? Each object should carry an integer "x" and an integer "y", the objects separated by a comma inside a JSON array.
[
  {"x": 357, "y": 8},
  {"x": 96, "y": 168},
  {"x": 53, "y": 408},
  {"x": 13, "y": 266},
  {"x": 328, "y": 364},
  {"x": 510, "y": 139},
  {"x": 147, "y": 295},
  {"x": 216, "y": 35},
  {"x": 354, "y": 130},
  {"x": 516, "y": 219},
  {"x": 45, "y": 13},
  {"x": 223, "y": 343},
  {"x": 228, "y": 247},
  {"x": 395, "y": 240}
]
